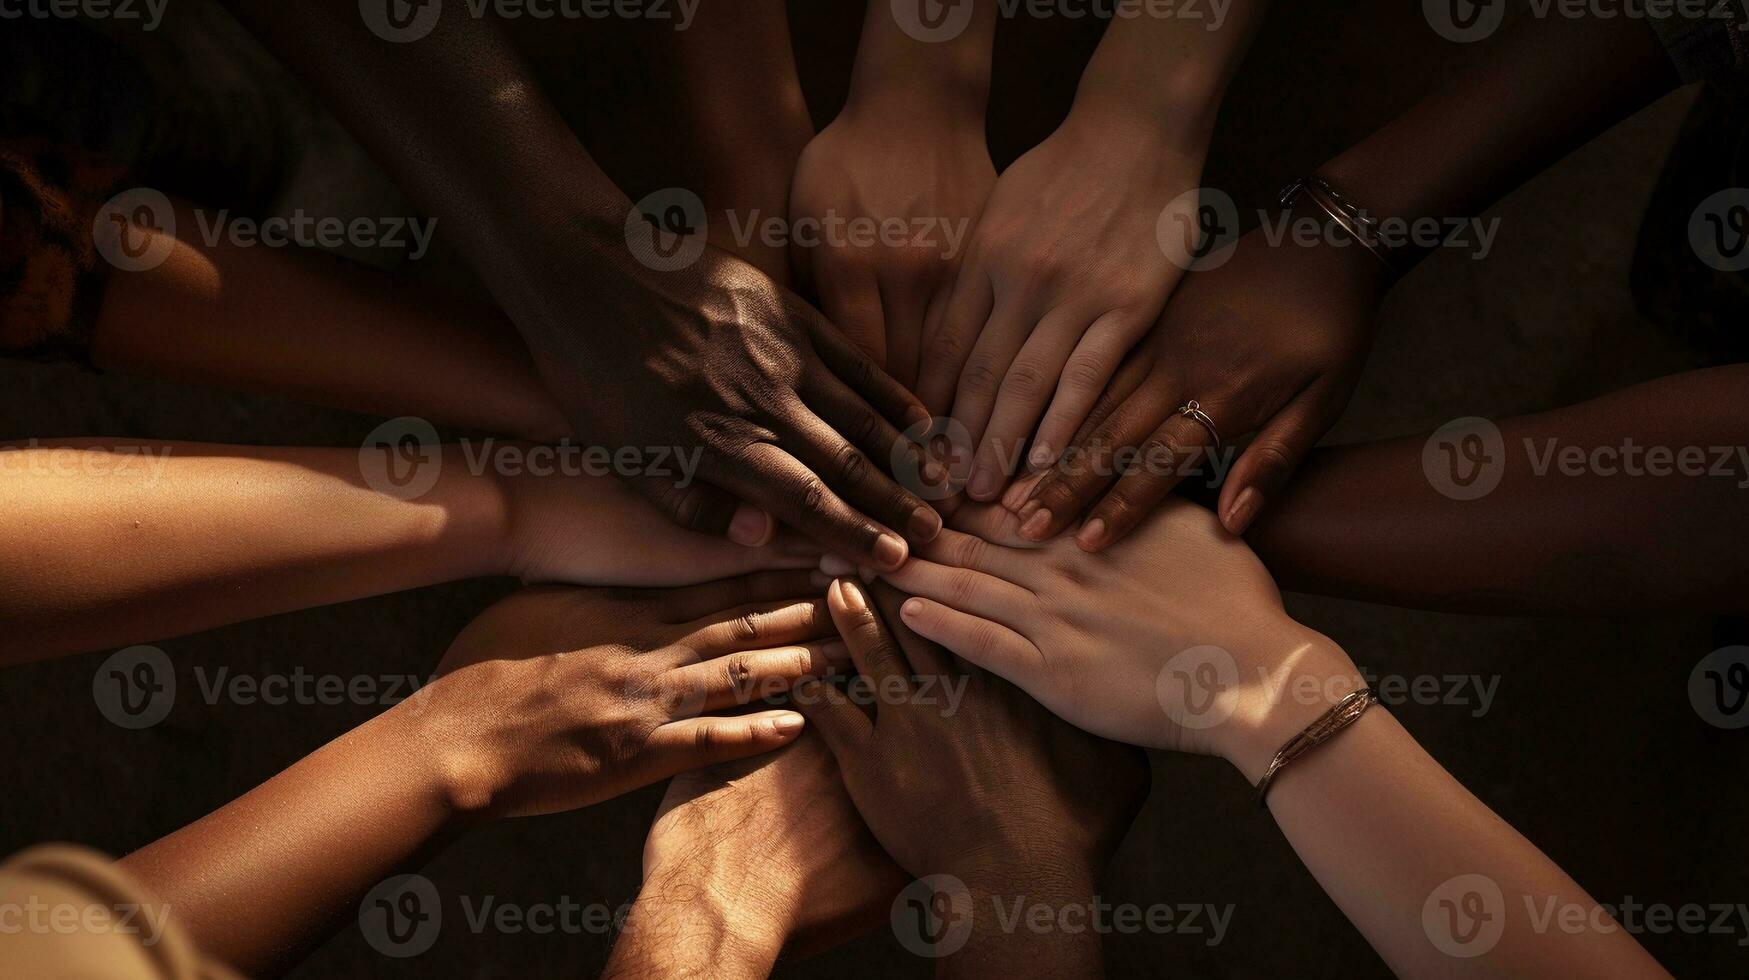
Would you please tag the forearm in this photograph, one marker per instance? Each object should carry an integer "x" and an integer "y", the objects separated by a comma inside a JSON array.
[
  {"x": 1005, "y": 941},
  {"x": 1386, "y": 830},
  {"x": 261, "y": 880},
  {"x": 1539, "y": 91},
  {"x": 1619, "y": 524},
  {"x": 688, "y": 922},
  {"x": 896, "y": 71},
  {"x": 1169, "y": 72},
  {"x": 188, "y": 537}
]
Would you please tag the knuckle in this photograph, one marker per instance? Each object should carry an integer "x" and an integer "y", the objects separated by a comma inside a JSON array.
[
  {"x": 810, "y": 496},
  {"x": 1025, "y": 380},
  {"x": 850, "y": 464},
  {"x": 1272, "y": 456},
  {"x": 978, "y": 377},
  {"x": 1083, "y": 373},
  {"x": 746, "y": 627}
]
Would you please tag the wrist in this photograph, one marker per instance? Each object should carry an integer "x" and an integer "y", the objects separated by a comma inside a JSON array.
[
  {"x": 717, "y": 914},
  {"x": 1307, "y": 675},
  {"x": 405, "y": 743},
  {"x": 1178, "y": 112}
]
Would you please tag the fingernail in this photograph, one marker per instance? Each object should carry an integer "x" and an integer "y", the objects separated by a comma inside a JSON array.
[
  {"x": 983, "y": 483},
  {"x": 889, "y": 551},
  {"x": 748, "y": 526},
  {"x": 851, "y": 595},
  {"x": 917, "y": 415},
  {"x": 1034, "y": 528},
  {"x": 925, "y": 524},
  {"x": 1041, "y": 456},
  {"x": 1092, "y": 534},
  {"x": 788, "y": 724},
  {"x": 912, "y": 609},
  {"x": 1244, "y": 510},
  {"x": 934, "y": 472}
]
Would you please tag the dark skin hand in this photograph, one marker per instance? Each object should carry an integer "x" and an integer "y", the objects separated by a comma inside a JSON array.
[
  {"x": 794, "y": 423},
  {"x": 968, "y": 790}
]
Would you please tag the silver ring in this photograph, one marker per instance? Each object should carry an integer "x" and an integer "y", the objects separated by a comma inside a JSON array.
[{"x": 1193, "y": 410}]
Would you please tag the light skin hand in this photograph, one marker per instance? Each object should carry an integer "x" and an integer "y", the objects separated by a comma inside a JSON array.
[
  {"x": 1272, "y": 341},
  {"x": 964, "y": 790}
]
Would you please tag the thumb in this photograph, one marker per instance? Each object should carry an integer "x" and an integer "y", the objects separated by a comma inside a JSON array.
[
  {"x": 693, "y": 743},
  {"x": 1266, "y": 464}
]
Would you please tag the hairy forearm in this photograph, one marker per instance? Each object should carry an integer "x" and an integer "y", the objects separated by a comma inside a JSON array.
[
  {"x": 1538, "y": 92},
  {"x": 261, "y": 880},
  {"x": 687, "y": 922},
  {"x": 1389, "y": 834},
  {"x": 164, "y": 539},
  {"x": 1618, "y": 526}
]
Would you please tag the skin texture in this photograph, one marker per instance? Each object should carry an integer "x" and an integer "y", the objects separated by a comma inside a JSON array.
[
  {"x": 1066, "y": 270},
  {"x": 712, "y": 356},
  {"x": 1275, "y": 345},
  {"x": 1098, "y": 637},
  {"x": 908, "y": 147},
  {"x": 552, "y": 700},
  {"x": 961, "y": 791},
  {"x": 193, "y": 536},
  {"x": 748, "y": 858}
]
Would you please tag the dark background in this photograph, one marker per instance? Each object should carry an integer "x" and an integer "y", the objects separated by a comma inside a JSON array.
[{"x": 1591, "y": 748}]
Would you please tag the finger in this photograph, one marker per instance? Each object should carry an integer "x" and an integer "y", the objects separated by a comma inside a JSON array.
[
  {"x": 697, "y": 601},
  {"x": 1265, "y": 466},
  {"x": 852, "y": 301},
  {"x": 950, "y": 341},
  {"x": 965, "y": 589},
  {"x": 959, "y": 550},
  {"x": 1177, "y": 447},
  {"x": 925, "y": 657},
  {"x": 841, "y": 723},
  {"x": 703, "y": 508},
  {"x": 694, "y": 743},
  {"x": 754, "y": 627},
  {"x": 1086, "y": 373},
  {"x": 1084, "y": 472},
  {"x": 791, "y": 491},
  {"x": 872, "y": 647},
  {"x": 752, "y": 675},
  {"x": 891, "y": 399},
  {"x": 850, "y": 471},
  {"x": 1026, "y": 386},
  {"x": 1020, "y": 491},
  {"x": 980, "y": 642},
  {"x": 975, "y": 397}
]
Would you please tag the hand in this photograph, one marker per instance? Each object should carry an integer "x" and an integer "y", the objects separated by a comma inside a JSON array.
[
  {"x": 1176, "y": 638},
  {"x": 1065, "y": 274},
  {"x": 884, "y": 167},
  {"x": 560, "y": 698},
  {"x": 1274, "y": 339},
  {"x": 715, "y": 359},
  {"x": 776, "y": 839},
  {"x": 595, "y": 530},
  {"x": 961, "y": 773}
]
